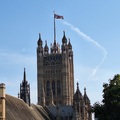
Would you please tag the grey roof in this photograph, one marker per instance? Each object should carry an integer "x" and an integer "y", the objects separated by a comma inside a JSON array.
[
  {"x": 62, "y": 110},
  {"x": 17, "y": 109}
]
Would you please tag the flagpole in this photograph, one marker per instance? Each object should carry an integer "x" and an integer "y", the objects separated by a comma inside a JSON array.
[{"x": 54, "y": 29}]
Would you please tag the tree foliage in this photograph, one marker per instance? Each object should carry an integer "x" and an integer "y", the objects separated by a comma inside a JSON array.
[{"x": 110, "y": 107}]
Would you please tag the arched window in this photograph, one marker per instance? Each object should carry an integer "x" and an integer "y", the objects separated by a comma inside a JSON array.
[
  {"x": 53, "y": 87},
  {"x": 48, "y": 87},
  {"x": 58, "y": 87}
]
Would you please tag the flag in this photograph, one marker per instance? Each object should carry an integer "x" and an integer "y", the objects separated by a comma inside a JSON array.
[{"x": 58, "y": 16}]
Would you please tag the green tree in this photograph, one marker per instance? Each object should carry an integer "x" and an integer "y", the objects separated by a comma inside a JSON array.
[{"x": 110, "y": 107}]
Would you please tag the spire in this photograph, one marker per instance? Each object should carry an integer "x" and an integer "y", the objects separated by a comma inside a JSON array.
[
  {"x": 24, "y": 76},
  {"x": 77, "y": 86},
  {"x": 46, "y": 49},
  {"x": 64, "y": 39},
  {"x": 86, "y": 97},
  {"x": 25, "y": 89},
  {"x": 78, "y": 94},
  {"x": 39, "y": 40},
  {"x": 69, "y": 45},
  {"x": 84, "y": 90},
  {"x": 39, "y": 36}
]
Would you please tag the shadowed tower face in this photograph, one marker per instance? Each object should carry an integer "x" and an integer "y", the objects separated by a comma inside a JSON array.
[{"x": 55, "y": 73}]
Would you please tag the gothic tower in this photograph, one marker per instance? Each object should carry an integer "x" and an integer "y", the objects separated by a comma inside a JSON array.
[
  {"x": 55, "y": 73},
  {"x": 25, "y": 89}
]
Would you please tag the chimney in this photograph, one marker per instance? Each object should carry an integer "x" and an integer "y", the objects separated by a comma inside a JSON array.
[{"x": 2, "y": 101}]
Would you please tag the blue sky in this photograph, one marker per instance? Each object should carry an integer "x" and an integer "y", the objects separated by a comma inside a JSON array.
[{"x": 92, "y": 26}]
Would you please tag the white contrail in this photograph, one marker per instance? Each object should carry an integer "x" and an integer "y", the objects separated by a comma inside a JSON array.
[{"x": 86, "y": 37}]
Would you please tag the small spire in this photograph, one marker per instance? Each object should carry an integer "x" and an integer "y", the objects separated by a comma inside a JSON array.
[
  {"x": 39, "y": 40},
  {"x": 46, "y": 49},
  {"x": 46, "y": 42},
  {"x": 84, "y": 90},
  {"x": 77, "y": 85},
  {"x": 64, "y": 39},
  {"x": 64, "y": 33},
  {"x": 69, "y": 44},
  {"x": 69, "y": 40},
  {"x": 39, "y": 36},
  {"x": 24, "y": 76}
]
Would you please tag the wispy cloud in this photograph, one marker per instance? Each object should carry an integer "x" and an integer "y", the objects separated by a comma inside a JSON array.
[
  {"x": 16, "y": 58},
  {"x": 11, "y": 64},
  {"x": 94, "y": 42}
]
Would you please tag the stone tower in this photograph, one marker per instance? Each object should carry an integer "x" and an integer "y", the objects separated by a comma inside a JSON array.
[
  {"x": 82, "y": 106},
  {"x": 25, "y": 89},
  {"x": 55, "y": 73}
]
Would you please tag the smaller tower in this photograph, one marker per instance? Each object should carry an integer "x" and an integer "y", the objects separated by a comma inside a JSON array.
[
  {"x": 77, "y": 101},
  {"x": 25, "y": 89},
  {"x": 87, "y": 106}
]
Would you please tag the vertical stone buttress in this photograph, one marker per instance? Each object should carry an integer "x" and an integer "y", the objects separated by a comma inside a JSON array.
[
  {"x": 2, "y": 101},
  {"x": 40, "y": 76},
  {"x": 67, "y": 72}
]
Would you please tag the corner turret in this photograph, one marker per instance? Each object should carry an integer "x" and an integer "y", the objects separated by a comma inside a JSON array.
[
  {"x": 64, "y": 39},
  {"x": 39, "y": 40},
  {"x": 46, "y": 49},
  {"x": 40, "y": 47}
]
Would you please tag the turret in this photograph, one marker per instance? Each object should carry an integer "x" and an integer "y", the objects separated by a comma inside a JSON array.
[
  {"x": 77, "y": 101},
  {"x": 69, "y": 45},
  {"x": 39, "y": 41},
  {"x": 86, "y": 99},
  {"x": 70, "y": 52},
  {"x": 78, "y": 95},
  {"x": 87, "y": 105},
  {"x": 46, "y": 49},
  {"x": 40, "y": 47},
  {"x": 64, "y": 46},
  {"x": 64, "y": 39}
]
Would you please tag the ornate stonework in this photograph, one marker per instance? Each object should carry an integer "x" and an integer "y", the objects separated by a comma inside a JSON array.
[{"x": 55, "y": 73}]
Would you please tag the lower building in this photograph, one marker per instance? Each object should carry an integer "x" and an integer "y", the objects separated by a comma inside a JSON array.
[{"x": 13, "y": 108}]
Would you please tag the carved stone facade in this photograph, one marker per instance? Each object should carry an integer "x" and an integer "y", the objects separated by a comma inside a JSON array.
[
  {"x": 82, "y": 106},
  {"x": 55, "y": 82},
  {"x": 55, "y": 73}
]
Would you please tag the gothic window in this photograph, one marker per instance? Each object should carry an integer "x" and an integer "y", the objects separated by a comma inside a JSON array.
[
  {"x": 53, "y": 87},
  {"x": 58, "y": 88},
  {"x": 48, "y": 87}
]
